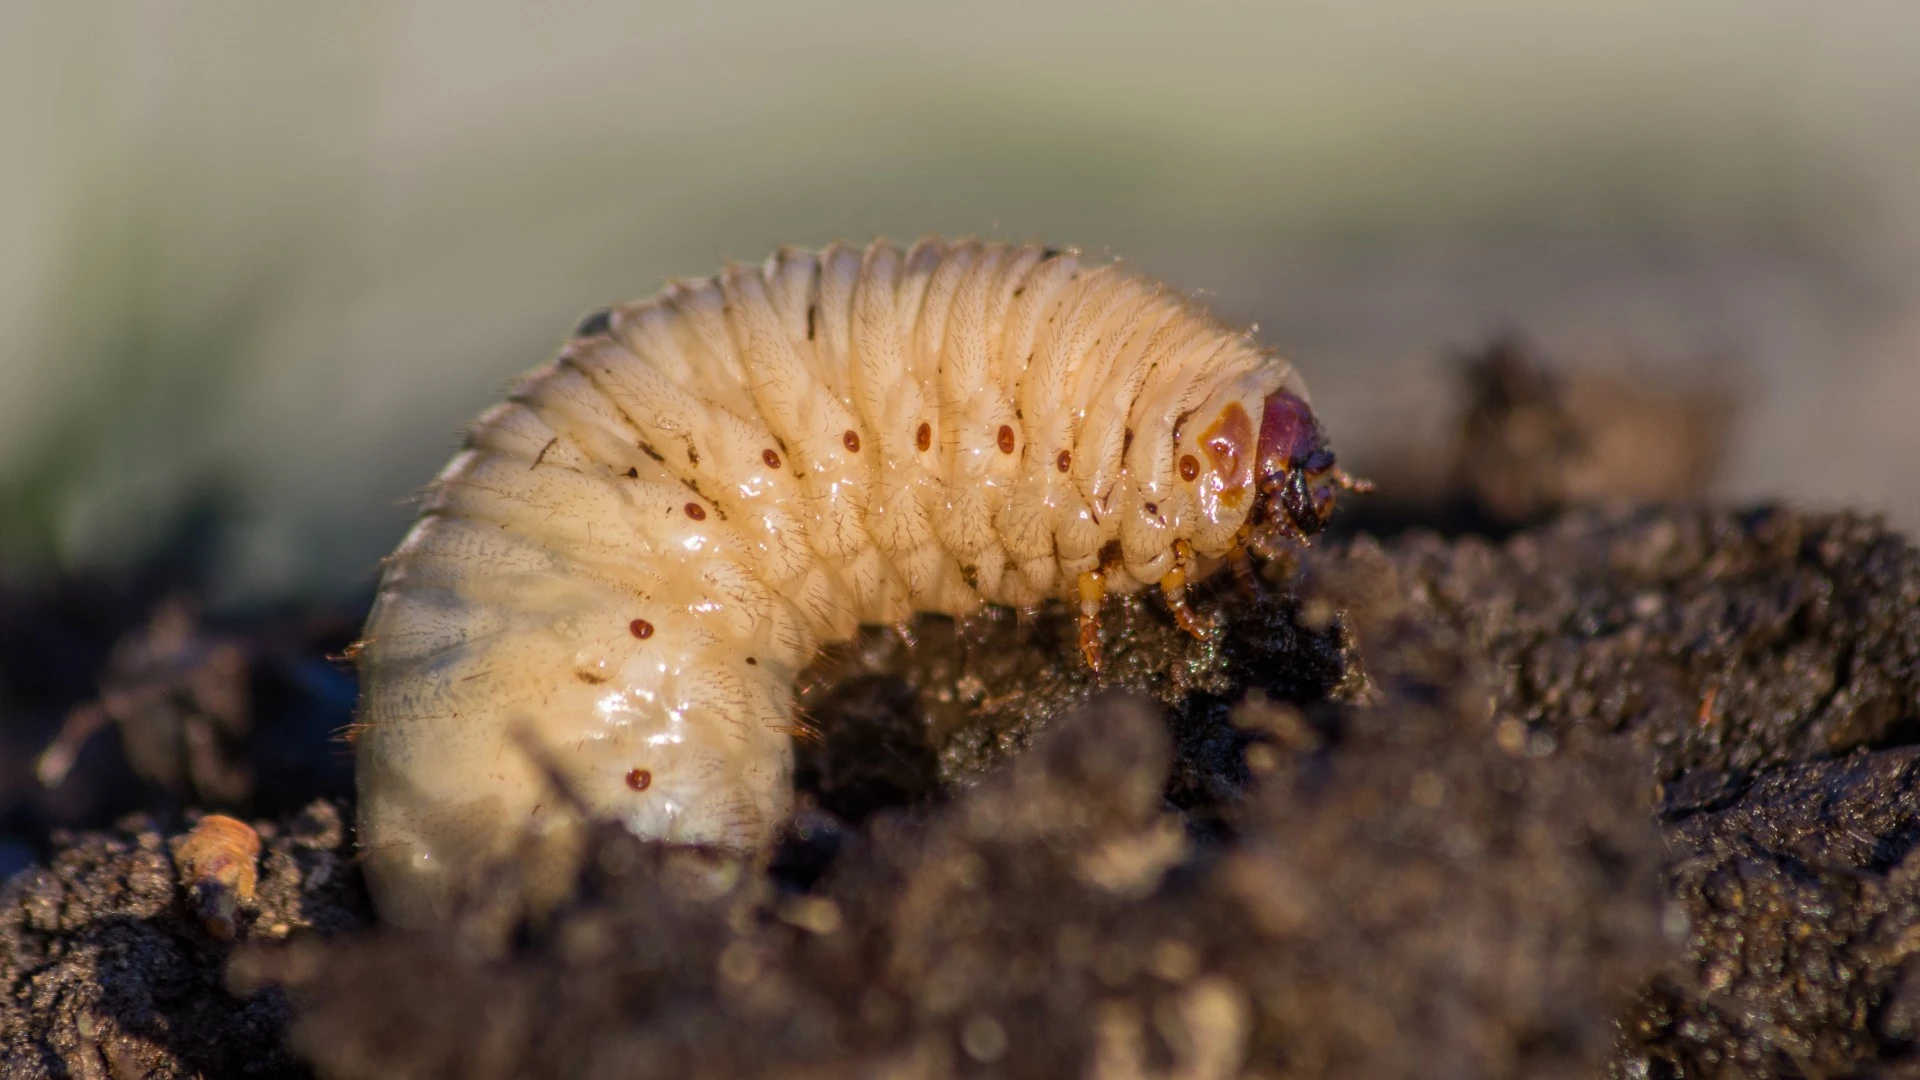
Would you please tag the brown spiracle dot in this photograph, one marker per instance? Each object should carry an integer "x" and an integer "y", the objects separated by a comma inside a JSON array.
[
  {"x": 696, "y": 512},
  {"x": 640, "y": 628},
  {"x": 1006, "y": 438},
  {"x": 924, "y": 437},
  {"x": 852, "y": 441},
  {"x": 639, "y": 779},
  {"x": 1189, "y": 467},
  {"x": 1064, "y": 461},
  {"x": 772, "y": 459}
]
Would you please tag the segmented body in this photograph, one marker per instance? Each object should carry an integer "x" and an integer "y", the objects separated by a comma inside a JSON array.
[{"x": 620, "y": 575}]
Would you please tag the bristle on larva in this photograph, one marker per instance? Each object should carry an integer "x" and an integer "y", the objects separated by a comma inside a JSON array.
[{"x": 635, "y": 554}]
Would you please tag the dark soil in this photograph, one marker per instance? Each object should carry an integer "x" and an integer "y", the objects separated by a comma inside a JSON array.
[{"x": 1626, "y": 793}]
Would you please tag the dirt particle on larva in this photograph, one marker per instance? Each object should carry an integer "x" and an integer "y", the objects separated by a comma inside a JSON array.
[
  {"x": 1065, "y": 461},
  {"x": 771, "y": 459},
  {"x": 696, "y": 511},
  {"x": 640, "y": 628},
  {"x": 639, "y": 779},
  {"x": 924, "y": 437},
  {"x": 753, "y": 661},
  {"x": 1006, "y": 438},
  {"x": 652, "y": 453},
  {"x": 633, "y": 473},
  {"x": 693, "y": 456},
  {"x": 591, "y": 678},
  {"x": 1189, "y": 467},
  {"x": 851, "y": 440}
]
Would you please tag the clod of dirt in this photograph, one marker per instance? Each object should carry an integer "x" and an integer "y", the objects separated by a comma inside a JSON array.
[
  {"x": 1534, "y": 441},
  {"x": 1536, "y": 437},
  {"x": 1768, "y": 662},
  {"x": 1803, "y": 898}
]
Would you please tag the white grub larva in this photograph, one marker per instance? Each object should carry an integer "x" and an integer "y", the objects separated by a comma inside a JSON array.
[{"x": 614, "y": 584}]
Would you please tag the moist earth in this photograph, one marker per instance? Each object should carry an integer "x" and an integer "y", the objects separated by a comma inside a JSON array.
[{"x": 1630, "y": 793}]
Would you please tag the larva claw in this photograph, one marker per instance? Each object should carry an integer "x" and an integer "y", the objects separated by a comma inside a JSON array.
[{"x": 1093, "y": 590}]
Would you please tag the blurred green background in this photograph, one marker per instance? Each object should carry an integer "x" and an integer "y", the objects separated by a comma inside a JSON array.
[{"x": 267, "y": 258}]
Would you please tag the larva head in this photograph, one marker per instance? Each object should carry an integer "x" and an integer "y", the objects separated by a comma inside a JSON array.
[{"x": 1295, "y": 472}]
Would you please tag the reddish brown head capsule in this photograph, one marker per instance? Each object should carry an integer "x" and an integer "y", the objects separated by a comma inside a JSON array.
[{"x": 1296, "y": 471}]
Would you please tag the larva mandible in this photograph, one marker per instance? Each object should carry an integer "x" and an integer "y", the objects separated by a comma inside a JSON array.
[{"x": 632, "y": 557}]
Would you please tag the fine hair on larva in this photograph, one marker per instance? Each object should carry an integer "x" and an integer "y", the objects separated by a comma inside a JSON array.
[{"x": 632, "y": 557}]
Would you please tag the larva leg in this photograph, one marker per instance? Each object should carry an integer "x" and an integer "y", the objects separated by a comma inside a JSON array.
[
  {"x": 1093, "y": 590},
  {"x": 1173, "y": 585},
  {"x": 1242, "y": 565}
]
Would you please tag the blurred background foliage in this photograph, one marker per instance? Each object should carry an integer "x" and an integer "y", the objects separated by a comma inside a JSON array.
[{"x": 260, "y": 262}]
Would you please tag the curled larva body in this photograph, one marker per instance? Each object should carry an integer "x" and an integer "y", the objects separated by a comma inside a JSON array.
[{"x": 614, "y": 584}]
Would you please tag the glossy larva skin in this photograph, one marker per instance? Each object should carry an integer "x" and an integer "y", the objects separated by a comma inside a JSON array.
[{"x": 619, "y": 577}]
